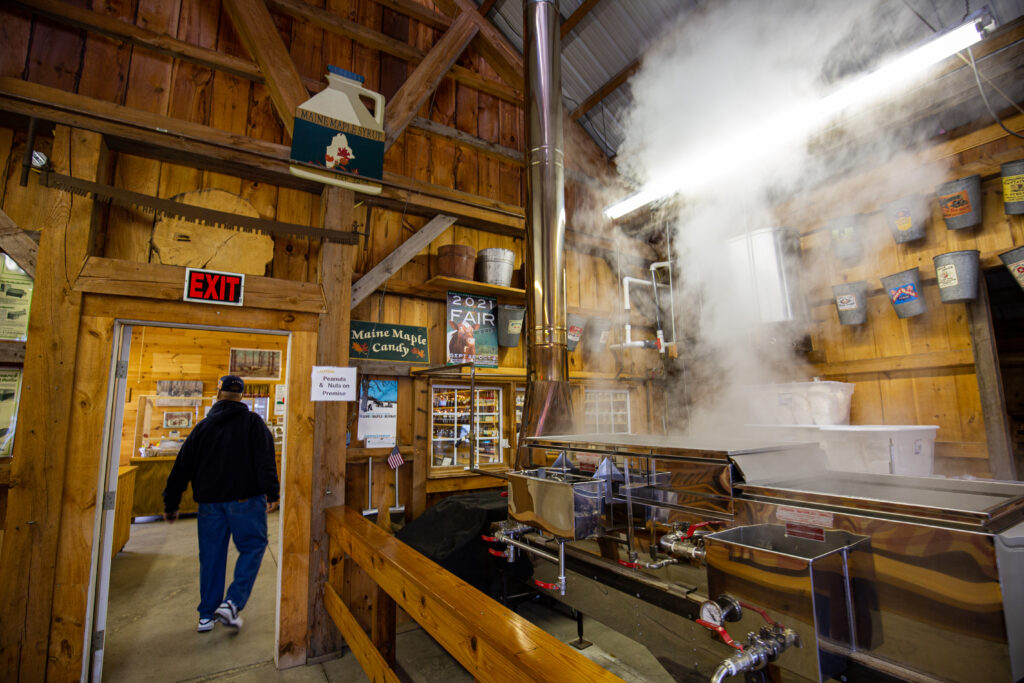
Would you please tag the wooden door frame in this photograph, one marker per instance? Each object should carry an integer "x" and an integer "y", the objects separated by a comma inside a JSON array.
[{"x": 72, "y": 583}]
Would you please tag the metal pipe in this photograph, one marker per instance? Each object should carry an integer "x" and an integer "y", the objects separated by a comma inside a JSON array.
[{"x": 547, "y": 407}]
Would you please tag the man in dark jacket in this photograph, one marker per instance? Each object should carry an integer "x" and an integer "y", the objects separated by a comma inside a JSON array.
[{"x": 229, "y": 459}]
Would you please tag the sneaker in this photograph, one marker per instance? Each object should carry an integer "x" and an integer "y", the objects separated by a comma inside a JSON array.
[
  {"x": 205, "y": 625},
  {"x": 227, "y": 614}
]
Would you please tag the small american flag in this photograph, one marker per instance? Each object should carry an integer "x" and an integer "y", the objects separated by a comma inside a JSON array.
[{"x": 395, "y": 459}]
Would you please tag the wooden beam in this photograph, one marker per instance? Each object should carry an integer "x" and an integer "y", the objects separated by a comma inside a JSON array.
[
  {"x": 97, "y": 22},
  {"x": 17, "y": 244},
  {"x": 491, "y": 641},
  {"x": 577, "y": 16},
  {"x": 609, "y": 87},
  {"x": 330, "y": 418},
  {"x": 418, "y": 12},
  {"x": 486, "y": 6},
  {"x": 500, "y": 54},
  {"x": 141, "y": 133},
  {"x": 27, "y": 574},
  {"x": 460, "y": 138},
  {"x": 373, "y": 663},
  {"x": 423, "y": 81},
  {"x": 258, "y": 33},
  {"x": 155, "y": 281},
  {"x": 990, "y": 387},
  {"x": 390, "y": 264},
  {"x": 917, "y": 361}
]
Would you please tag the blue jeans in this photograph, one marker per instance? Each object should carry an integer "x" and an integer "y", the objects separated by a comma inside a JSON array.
[{"x": 246, "y": 522}]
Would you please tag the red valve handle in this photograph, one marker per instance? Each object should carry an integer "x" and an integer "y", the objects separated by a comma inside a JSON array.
[
  {"x": 497, "y": 553},
  {"x": 693, "y": 527},
  {"x": 504, "y": 494},
  {"x": 761, "y": 612},
  {"x": 489, "y": 539},
  {"x": 542, "y": 584},
  {"x": 722, "y": 633},
  {"x": 631, "y": 565}
]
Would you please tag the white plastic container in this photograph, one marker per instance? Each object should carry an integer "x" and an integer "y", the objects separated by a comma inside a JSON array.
[
  {"x": 801, "y": 403},
  {"x": 337, "y": 139},
  {"x": 880, "y": 449}
]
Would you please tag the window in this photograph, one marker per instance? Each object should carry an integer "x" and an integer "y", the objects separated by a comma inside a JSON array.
[{"x": 606, "y": 411}]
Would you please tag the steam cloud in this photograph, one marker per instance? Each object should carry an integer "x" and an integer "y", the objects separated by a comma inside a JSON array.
[{"x": 710, "y": 93}]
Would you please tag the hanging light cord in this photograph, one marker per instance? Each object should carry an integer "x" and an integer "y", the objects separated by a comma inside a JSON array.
[{"x": 969, "y": 60}]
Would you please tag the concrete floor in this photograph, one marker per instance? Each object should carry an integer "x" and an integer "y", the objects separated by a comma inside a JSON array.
[{"x": 152, "y": 618}]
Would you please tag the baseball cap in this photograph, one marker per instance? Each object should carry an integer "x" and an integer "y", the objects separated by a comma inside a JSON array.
[{"x": 231, "y": 383}]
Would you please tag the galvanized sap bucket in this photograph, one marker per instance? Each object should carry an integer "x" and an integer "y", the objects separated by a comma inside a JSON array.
[
  {"x": 907, "y": 217},
  {"x": 960, "y": 201},
  {"x": 494, "y": 266},
  {"x": 957, "y": 273},
  {"x": 1013, "y": 187},
  {"x": 510, "y": 324},
  {"x": 851, "y": 302},
  {"x": 904, "y": 290}
]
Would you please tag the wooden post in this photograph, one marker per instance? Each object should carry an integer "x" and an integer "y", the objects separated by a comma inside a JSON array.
[
  {"x": 990, "y": 387},
  {"x": 27, "y": 572},
  {"x": 329, "y": 450}
]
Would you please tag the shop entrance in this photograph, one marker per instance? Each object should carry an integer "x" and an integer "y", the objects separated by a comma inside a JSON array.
[{"x": 163, "y": 380}]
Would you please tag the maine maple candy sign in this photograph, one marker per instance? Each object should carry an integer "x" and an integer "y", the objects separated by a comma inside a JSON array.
[{"x": 214, "y": 287}]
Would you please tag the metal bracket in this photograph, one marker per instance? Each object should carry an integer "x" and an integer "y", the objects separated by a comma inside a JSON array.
[
  {"x": 108, "y": 500},
  {"x": 97, "y": 640},
  {"x": 121, "y": 370}
]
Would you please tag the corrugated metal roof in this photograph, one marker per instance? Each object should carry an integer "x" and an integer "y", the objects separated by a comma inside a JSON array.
[{"x": 615, "y": 33}]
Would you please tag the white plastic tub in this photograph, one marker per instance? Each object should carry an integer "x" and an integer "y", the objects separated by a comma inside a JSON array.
[
  {"x": 801, "y": 403},
  {"x": 880, "y": 449}
]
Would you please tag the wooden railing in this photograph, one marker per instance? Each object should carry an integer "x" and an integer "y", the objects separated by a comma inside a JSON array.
[{"x": 491, "y": 641}]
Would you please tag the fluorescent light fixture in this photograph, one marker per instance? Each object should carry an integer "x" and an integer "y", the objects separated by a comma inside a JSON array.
[{"x": 701, "y": 169}]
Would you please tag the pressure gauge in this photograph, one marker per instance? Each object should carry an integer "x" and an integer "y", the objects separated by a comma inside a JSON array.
[{"x": 720, "y": 610}]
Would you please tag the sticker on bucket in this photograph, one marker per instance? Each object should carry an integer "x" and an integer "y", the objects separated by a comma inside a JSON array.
[
  {"x": 903, "y": 294},
  {"x": 575, "y": 332},
  {"x": 1018, "y": 272},
  {"x": 903, "y": 220},
  {"x": 846, "y": 302},
  {"x": 954, "y": 205},
  {"x": 515, "y": 326},
  {"x": 1013, "y": 188},
  {"x": 946, "y": 276},
  {"x": 604, "y": 336}
]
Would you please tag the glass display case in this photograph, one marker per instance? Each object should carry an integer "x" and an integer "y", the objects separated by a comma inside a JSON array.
[
  {"x": 450, "y": 426},
  {"x": 606, "y": 411}
]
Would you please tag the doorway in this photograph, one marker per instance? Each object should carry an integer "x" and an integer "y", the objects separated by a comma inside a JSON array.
[
  {"x": 1006, "y": 302},
  {"x": 146, "y": 588}
]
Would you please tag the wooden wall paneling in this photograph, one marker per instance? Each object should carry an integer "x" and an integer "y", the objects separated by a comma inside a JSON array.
[
  {"x": 867, "y": 406},
  {"x": 15, "y": 35},
  {"x": 26, "y": 206},
  {"x": 8, "y": 162},
  {"x": 509, "y": 175},
  {"x": 191, "y": 84},
  {"x": 338, "y": 49},
  {"x": 442, "y": 152},
  {"x": 291, "y": 253},
  {"x": 297, "y": 500},
  {"x": 393, "y": 71},
  {"x": 34, "y": 505},
  {"x": 229, "y": 106},
  {"x": 306, "y": 47},
  {"x": 329, "y": 446},
  {"x": 467, "y": 114},
  {"x": 149, "y": 88},
  {"x": 78, "y": 501},
  {"x": 55, "y": 54},
  {"x": 105, "y": 60},
  {"x": 417, "y": 154},
  {"x": 421, "y": 422},
  {"x": 366, "y": 61}
]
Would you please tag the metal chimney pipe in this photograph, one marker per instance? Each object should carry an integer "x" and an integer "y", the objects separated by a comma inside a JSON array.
[{"x": 548, "y": 407}]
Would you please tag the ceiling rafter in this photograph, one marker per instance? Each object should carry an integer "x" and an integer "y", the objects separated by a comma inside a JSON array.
[
  {"x": 577, "y": 16},
  {"x": 423, "y": 81},
  {"x": 608, "y": 87},
  {"x": 259, "y": 35}
]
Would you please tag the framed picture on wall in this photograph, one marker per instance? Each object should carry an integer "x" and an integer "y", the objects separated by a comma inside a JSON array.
[
  {"x": 177, "y": 419},
  {"x": 255, "y": 363}
]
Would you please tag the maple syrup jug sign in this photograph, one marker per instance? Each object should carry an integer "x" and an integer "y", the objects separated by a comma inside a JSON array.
[
  {"x": 214, "y": 287},
  {"x": 472, "y": 330}
]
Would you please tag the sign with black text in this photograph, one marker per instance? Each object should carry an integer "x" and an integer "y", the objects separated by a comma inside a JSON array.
[
  {"x": 381, "y": 341},
  {"x": 472, "y": 330},
  {"x": 214, "y": 287}
]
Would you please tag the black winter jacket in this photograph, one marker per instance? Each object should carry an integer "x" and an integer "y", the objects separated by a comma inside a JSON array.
[{"x": 228, "y": 456}]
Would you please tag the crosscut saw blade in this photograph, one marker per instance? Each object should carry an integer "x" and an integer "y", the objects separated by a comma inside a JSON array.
[{"x": 187, "y": 212}]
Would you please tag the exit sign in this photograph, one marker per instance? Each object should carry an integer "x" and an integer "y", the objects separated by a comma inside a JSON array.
[{"x": 214, "y": 287}]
